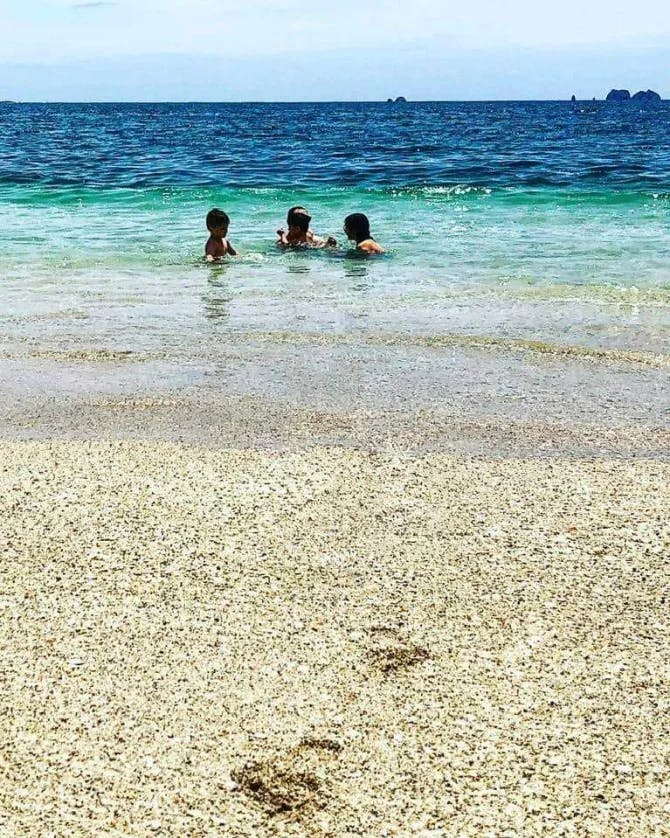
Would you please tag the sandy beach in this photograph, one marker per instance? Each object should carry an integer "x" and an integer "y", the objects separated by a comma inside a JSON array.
[{"x": 331, "y": 642}]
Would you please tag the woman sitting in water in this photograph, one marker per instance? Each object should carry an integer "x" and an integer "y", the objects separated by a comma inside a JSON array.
[
  {"x": 299, "y": 234},
  {"x": 357, "y": 228}
]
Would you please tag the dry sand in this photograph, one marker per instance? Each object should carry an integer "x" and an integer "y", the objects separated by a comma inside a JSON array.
[{"x": 331, "y": 643}]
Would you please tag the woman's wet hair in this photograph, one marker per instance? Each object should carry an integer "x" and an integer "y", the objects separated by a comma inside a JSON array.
[{"x": 359, "y": 225}]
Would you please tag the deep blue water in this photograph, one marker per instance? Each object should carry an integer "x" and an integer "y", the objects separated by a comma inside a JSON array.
[{"x": 593, "y": 145}]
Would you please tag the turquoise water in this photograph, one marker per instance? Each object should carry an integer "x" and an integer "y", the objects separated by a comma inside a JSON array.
[
  {"x": 122, "y": 268},
  {"x": 516, "y": 222}
]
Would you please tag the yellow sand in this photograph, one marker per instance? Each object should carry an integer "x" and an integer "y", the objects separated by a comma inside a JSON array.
[{"x": 200, "y": 643}]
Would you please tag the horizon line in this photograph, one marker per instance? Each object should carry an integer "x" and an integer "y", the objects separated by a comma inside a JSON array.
[{"x": 568, "y": 101}]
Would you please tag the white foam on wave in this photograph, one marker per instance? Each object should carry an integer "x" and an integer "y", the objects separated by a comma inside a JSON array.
[{"x": 456, "y": 190}]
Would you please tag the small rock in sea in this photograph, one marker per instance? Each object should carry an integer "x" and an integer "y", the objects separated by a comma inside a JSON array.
[
  {"x": 646, "y": 96},
  {"x": 618, "y": 96}
]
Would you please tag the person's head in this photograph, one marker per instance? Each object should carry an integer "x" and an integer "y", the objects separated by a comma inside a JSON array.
[
  {"x": 357, "y": 227},
  {"x": 218, "y": 223},
  {"x": 298, "y": 221}
]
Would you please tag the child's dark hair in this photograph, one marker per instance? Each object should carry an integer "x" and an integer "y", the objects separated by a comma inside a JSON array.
[
  {"x": 217, "y": 218},
  {"x": 359, "y": 225},
  {"x": 298, "y": 217}
]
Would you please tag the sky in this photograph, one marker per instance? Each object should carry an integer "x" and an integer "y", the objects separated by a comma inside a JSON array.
[{"x": 157, "y": 50}]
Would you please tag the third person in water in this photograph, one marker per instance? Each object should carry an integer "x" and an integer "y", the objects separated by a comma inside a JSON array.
[
  {"x": 297, "y": 235},
  {"x": 357, "y": 229}
]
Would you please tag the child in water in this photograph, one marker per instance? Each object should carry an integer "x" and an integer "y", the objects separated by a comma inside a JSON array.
[
  {"x": 357, "y": 228},
  {"x": 218, "y": 245},
  {"x": 299, "y": 234}
]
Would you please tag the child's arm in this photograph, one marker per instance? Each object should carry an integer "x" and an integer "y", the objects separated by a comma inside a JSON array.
[
  {"x": 230, "y": 250},
  {"x": 321, "y": 241},
  {"x": 282, "y": 241}
]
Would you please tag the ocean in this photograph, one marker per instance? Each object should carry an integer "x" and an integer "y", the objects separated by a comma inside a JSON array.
[{"x": 520, "y": 226}]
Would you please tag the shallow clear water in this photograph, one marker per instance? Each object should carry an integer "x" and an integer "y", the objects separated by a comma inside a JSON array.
[{"x": 533, "y": 221}]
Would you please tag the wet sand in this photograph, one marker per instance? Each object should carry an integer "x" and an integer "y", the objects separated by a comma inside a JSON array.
[
  {"x": 331, "y": 642},
  {"x": 234, "y": 422},
  {"x": 279, "y": 391}
]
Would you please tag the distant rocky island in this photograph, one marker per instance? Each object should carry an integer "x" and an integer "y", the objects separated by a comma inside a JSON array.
[
  {"x": 640, "y": 96},
  {"x": 399, "y": 101}
]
